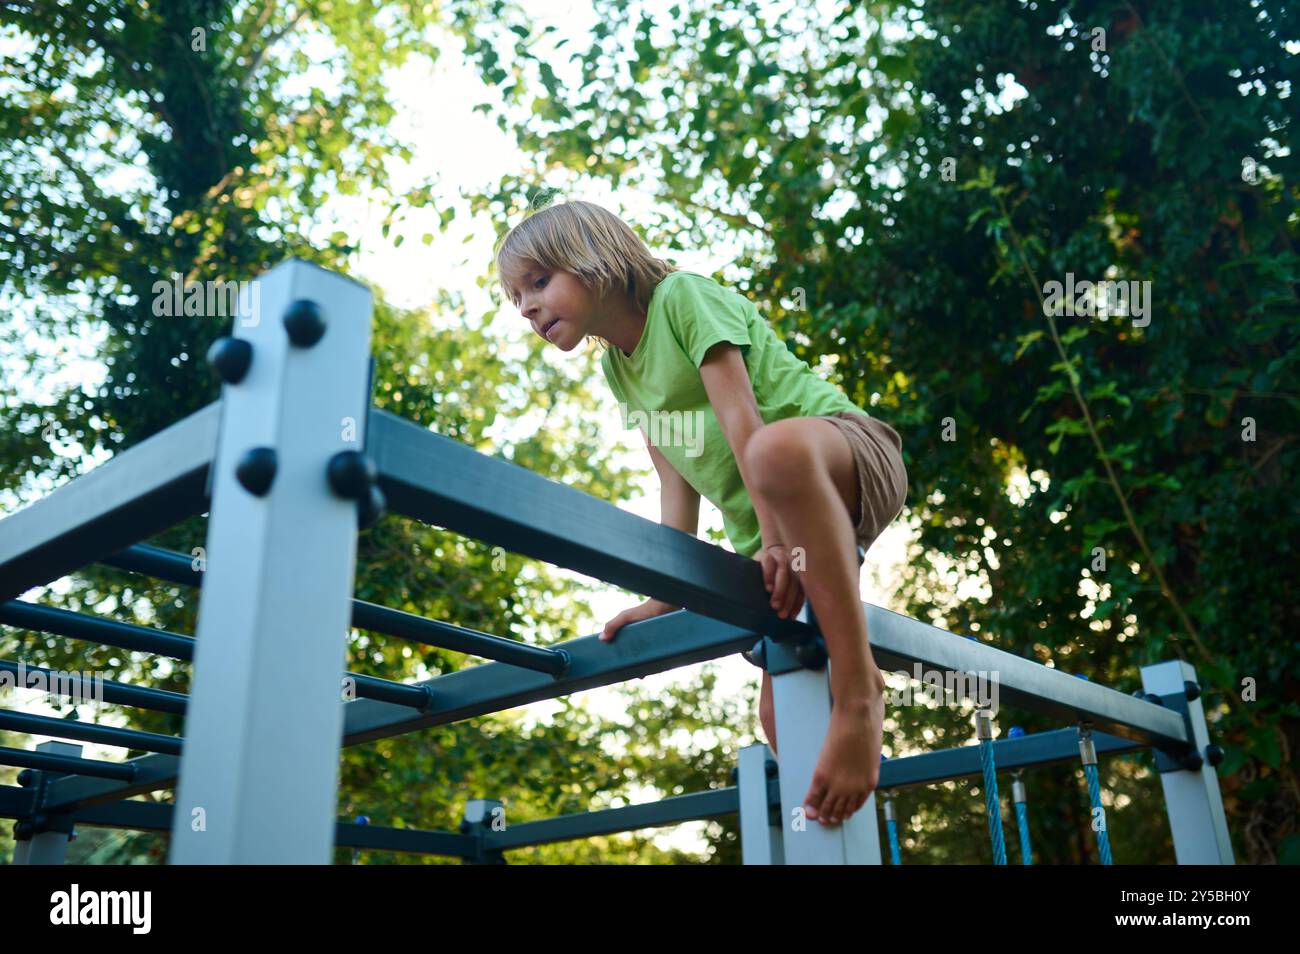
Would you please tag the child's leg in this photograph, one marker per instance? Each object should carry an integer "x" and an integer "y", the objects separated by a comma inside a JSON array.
[
  {"x": 767, "y": 712},
  {"x": 804, "y": 470}
]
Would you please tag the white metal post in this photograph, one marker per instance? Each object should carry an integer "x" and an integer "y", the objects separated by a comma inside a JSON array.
[
  {"x": 1192, "y": 796},
  {"x": 47, "y": 847},
  {"x": 802, "y": 699},
  {"x": 760, "y": 840},
  {"x": 259, "y": 773}
]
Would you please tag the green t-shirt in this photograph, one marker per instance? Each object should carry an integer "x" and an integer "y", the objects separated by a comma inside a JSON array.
[{"x": 660, "y": 391}]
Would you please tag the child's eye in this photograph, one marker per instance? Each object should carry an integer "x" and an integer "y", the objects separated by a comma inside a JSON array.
[{"x": 538, "y": 283}]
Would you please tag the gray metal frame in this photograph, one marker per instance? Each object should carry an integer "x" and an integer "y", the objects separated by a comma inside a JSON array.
[
  {"x": 260, "y": 768},
  {"x": 277, "y": 598}
]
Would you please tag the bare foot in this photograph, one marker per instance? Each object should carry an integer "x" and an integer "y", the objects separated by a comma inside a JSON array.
[{"x": 848, "y": 768}]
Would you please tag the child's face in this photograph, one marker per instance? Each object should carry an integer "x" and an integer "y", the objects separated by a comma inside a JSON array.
[{"x": 559, "y": 307}]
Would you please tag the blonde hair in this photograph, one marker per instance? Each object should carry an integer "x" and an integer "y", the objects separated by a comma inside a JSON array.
[{"x": 588, "y": 241}]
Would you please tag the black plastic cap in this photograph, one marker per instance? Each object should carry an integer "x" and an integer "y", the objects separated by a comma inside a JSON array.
[
  {"x": 1192, "y": 689},
  {"x": 351, "y": 474},
  {"x": 256, "y": 470},
  {"x": 229, "y": 358},
  {"x": 26, "y": 777},
  {"x": 1213, "y": 754},
  {"x": 304, "y": 322},
  {"x": 811, "y": 653},
  {"x": 372, "y": 508}
]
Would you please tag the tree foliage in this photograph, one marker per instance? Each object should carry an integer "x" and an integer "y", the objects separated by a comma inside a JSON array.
[{"x": 918, "y": 174}]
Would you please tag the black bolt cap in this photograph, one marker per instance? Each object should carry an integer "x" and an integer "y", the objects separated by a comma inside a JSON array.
[
  {"x": 256, "y": 470},
  {"x": 351, "y": 474},
  {"x": 1154, "y": 699},
  {"x": 1193, "y": 761},
  {"x": 229, "y": 358},
  {"x": 372, "y": 508},
  {"x": 1213, "y": 754},
  {"x": 23, "y": 830},
  {"x": 1192, "y": 689},
  {"x": 26, "y": 777},
  {"x": 304, "y": 322},
  {"x": 811, "y": 653}
]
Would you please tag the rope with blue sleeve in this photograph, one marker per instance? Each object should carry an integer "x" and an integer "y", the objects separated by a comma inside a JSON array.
[
  {"x": 1020, "y": 800},
  {"x": 891, "y": 824},
  {"x": 984, "y": 730},
  {"x": 1088, "y": 752}
]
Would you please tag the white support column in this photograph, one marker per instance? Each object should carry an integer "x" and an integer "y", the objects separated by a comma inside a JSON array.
[
  {"x": 760, "y": 840},
  {"x": 47, "y": 847},
  {"x": 1192, "y": 796},
  {"x": 802, "y": 698},
  {"x": 259, "y": 773}
]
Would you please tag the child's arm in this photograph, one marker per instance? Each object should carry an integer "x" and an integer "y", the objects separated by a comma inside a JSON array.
[
  {"x": 679, "y": 502},
  {"x": 680, "y": 509},
  {"x": 726, "y": 381}
]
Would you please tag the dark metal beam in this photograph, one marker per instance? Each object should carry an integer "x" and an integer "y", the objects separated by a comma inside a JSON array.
[
  {"x": 117, "y": 693},
  {"x": 139, "y": 492},
  {"x": 668, "y": 811},
  {"x": 85, "y": 732},
  {"x": 48, "y": 762},
  {"x": 178, "y": 568},
  {"x": 444, "y": 483},
  {"x": 129, "y": 636}
]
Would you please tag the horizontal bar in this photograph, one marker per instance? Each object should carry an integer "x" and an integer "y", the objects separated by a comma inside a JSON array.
[
  {"x": 394, "y": 693},
  {"x": 901, "y": 643},
  {"x": 695, "y": 806},
  {"x": 382, "y": 619},
  {"x": 46, "y": 762},
  {"x": 86, "y": 732},
  {"x": 1041, "y": 748},
  {"x": 178, "y": 568},
  {"x": 141, "y": 491},
  {"x": 444, "y": 483},
  {"x": 414, "y": 840},
  {"x": 157, "y": 562},
  {"x": 152, "y": 772},
  {"x": 157, "y": 817},
  {"x": 641, "y": 649},
  {"x": 106, "y": 632},
  {"x": 116, "y": 693},
  {"x": 16, "y": 802}
]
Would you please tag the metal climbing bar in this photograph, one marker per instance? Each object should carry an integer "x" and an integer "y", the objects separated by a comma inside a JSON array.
[
  {"x": 106, "y": 632},
  {"x": 382, "y": 619},
  {"x": 115, "y": 693},
  {"x": 23, "y": 758},
  {"x": 139, "y": 492},
  {"x": 85, "y": 732},
  {"x": 178, "y": 568}
]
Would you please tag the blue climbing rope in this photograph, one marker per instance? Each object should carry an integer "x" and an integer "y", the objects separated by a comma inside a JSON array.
[
  {"x": 983, "y": 723},
  {"x": 1022, "y": 820},
  {"x": 1094, "y": 795},
  {"x": 1018, "y": 797},
  {"x": 891, "y": 826},
  {"x": 1088, "y": 753}
]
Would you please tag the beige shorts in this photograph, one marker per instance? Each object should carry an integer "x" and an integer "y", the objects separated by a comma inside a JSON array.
[{"x": 882, "y": 477}]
